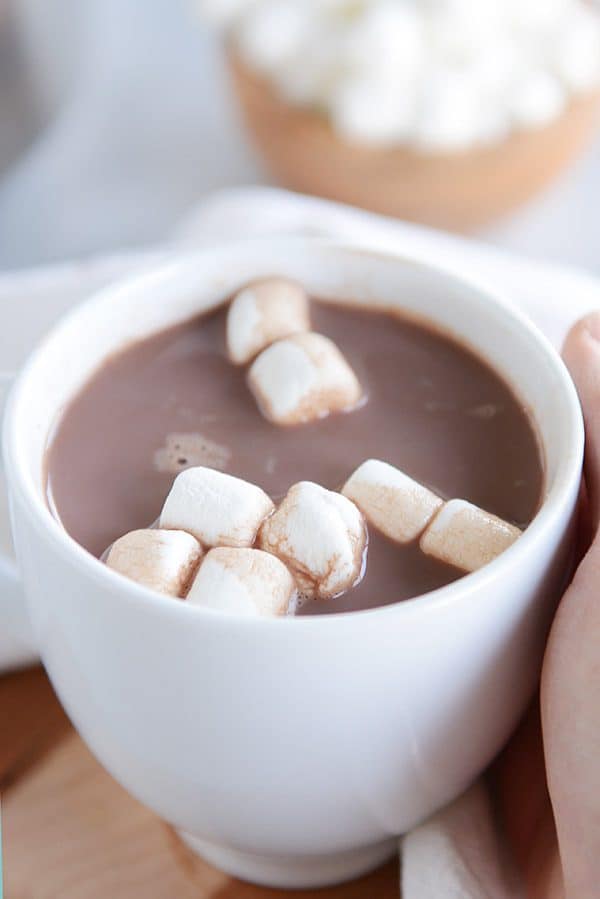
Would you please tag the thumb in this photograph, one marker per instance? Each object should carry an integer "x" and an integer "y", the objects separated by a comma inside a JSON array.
[
  {"x": 581, "y": 353},
  {"x": 571, "y": 675}
]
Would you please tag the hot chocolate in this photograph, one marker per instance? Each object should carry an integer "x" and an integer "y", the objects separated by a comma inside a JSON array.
[{"x": 428, "y": 407}]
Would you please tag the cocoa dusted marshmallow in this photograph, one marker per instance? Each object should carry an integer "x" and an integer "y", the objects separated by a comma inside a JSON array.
[
  {"x": 161, "y": 560},
  {"x": 262, "y": 313},
  {"x": 391, "y": 501},
  {"x": 217, "y": 508},
  {"x": 301, "y": 378},
  {"x": 321, "y": 536},
  {"x": 467, "y": 537},
  {"x": 243, "y": 582}
]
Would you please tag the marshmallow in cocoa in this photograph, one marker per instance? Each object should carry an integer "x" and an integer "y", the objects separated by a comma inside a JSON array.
[
  {"x": 243, "y": 581},
  {"x": 262, "y": 313},
  {"x": 391, "y": 501},
  {"x": 321, "y": 536},
  {"x": 217, "y": 508},
  {"x": 466, "y": 537},
  {"x": 162, "y": 560},
  {"x": 303, "y": 378}
]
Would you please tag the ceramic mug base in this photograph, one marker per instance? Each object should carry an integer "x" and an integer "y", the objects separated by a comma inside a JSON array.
[{"x": 292, "y": 872}]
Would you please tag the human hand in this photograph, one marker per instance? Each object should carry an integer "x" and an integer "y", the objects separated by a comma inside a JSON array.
[{"x": 548, "y": 779}]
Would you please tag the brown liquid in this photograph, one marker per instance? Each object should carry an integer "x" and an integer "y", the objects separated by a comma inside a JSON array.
[{"x": 434, "y": 410}]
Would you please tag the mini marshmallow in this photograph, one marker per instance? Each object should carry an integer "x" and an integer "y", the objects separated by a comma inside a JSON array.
[
  {"x": 243, "y": 582},
  {"x": 262, "y": 313},
  {"x": 321, "y": 536},
  {"x": 301, "y": 84},
  {"x": 274, "y": 32},
  {"x": 538, "y": 100},
  {"x": 371, "y": 111},
  {"x": 218, "y": 509},
  {"x": 161, "y": 560},
  {"x": 450, "y": 112},
  {"x": 387, "y": 37},
  {"x": 467, "y": 537},
  {"x": 579, "y": 51},
  {"x": 391, "y": 501},
  {"x": 302, "y": 378}
]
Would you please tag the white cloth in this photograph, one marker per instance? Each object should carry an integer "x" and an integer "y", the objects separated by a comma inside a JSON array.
[{"x": 456, "y": 853}]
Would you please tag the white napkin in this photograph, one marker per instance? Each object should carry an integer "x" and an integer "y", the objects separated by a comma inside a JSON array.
[{"x": 456, "y": 854}]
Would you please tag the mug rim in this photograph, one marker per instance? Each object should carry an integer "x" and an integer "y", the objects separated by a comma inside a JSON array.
[{"x": 566, "y": 480}]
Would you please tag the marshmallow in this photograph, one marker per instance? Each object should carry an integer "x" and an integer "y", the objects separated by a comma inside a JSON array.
[
  {"x": 161, "y": 560},
  {"x": 274, "y": 32},
  {"x": 391, "y": 501},
  {"x": 321, "y": 536},
  {"x": 372, "y": 111},
  {"x": 450, "y": 112},
  {"x": 302, "y": 84},
  {"x": 218, "y": 509},
  {"x": 302, "y": 378},
  {"x": 243, "y": 582},
  {"x": 542, "y": 16},
  {"x": 538, "y": 100},
  {"x": 262, "y": 313},
  {"x": 386, "y": 37},
  {"x": 467, "y": 537},
  {"x": 459, "y": 29},
  {"x": 579, "y": 51}
]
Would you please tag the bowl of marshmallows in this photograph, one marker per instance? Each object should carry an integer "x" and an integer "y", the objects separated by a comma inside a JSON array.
[{"x": 446, "y": 112}]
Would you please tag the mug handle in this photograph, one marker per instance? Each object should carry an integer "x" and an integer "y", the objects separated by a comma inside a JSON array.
[
  {"x": 33, "y": 302},
  {"x": 17, "y": 646}
]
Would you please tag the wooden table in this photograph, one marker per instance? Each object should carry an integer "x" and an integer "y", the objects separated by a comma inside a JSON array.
[{"x": 71, "y": 832}]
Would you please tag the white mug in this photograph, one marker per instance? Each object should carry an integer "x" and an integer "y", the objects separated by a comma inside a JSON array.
[{"x": 291, "y": 752}]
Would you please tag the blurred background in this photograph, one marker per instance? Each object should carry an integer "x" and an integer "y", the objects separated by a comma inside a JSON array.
[{"x": 118, "y": 116}]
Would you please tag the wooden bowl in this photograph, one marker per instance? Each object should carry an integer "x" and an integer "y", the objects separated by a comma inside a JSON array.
[{"x": 459, "y": 191}]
